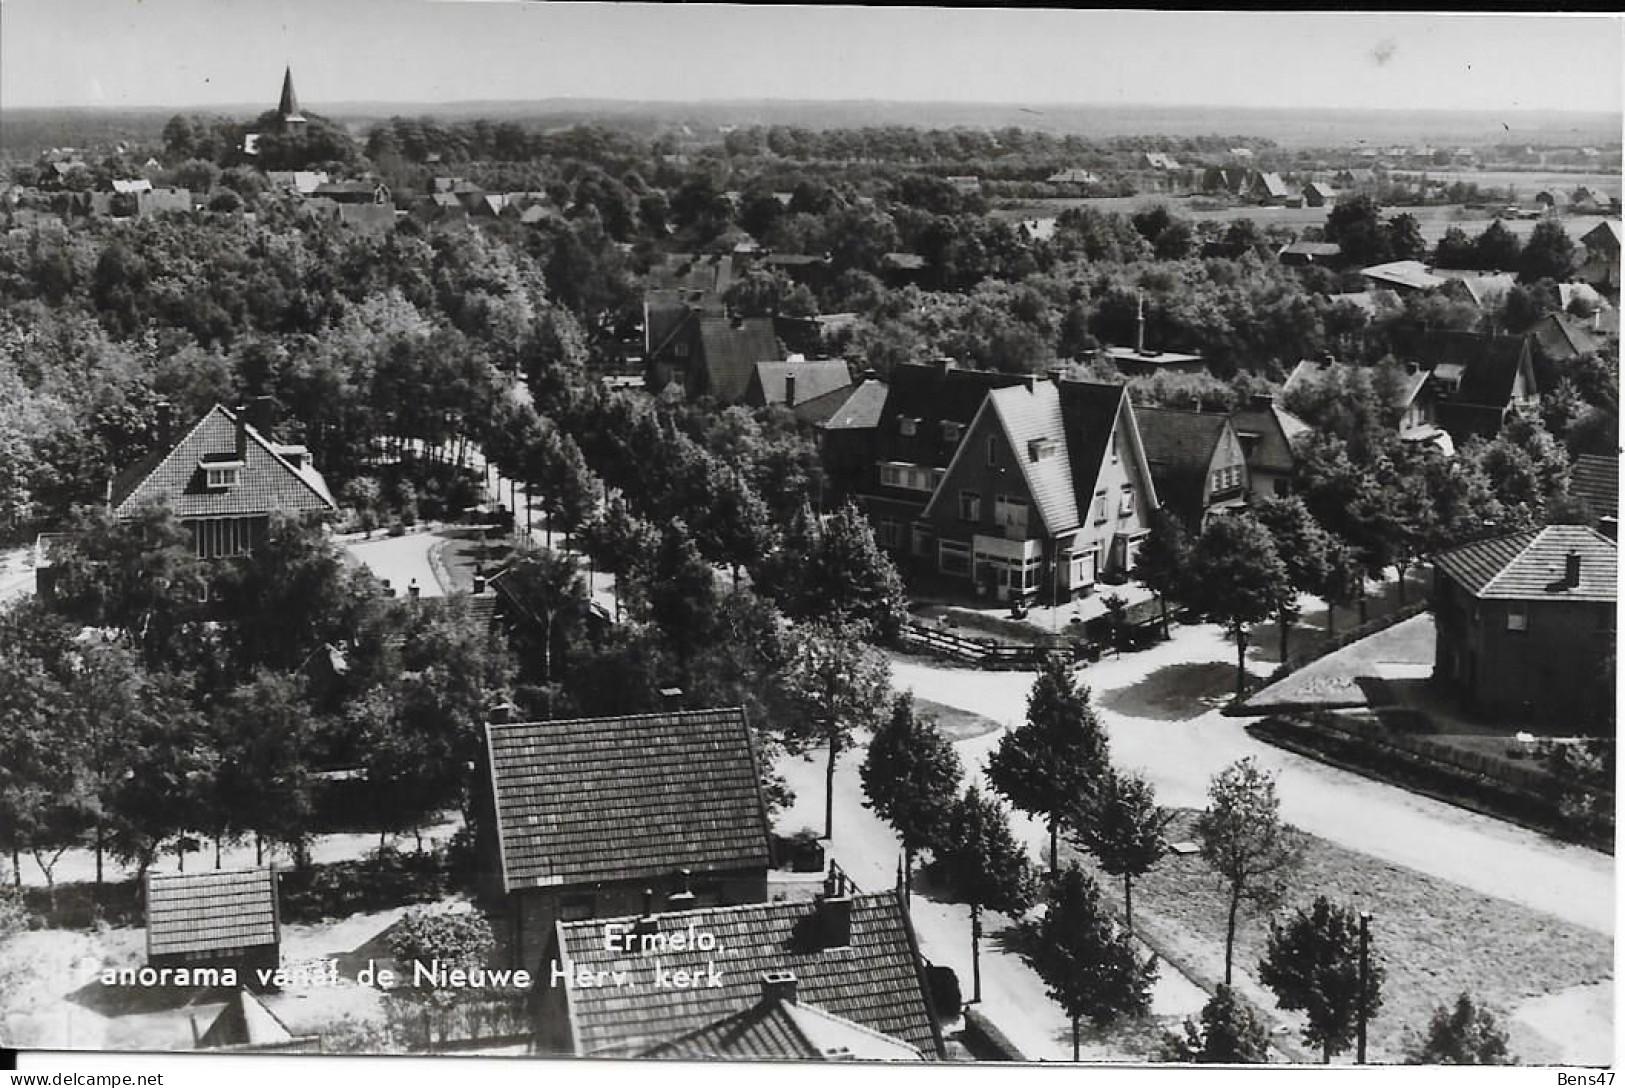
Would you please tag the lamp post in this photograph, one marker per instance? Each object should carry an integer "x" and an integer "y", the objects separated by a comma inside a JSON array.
[{"x": 1365, "y": 983}]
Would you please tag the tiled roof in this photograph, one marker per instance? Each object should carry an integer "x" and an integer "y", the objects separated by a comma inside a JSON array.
[
  {"x": 1489, "y": 364},
  {"x": 266, "y": 481},
  {"x": 603, "y": 799},
  {"x": 818, "y": 410},
  {"x": 211, "y": 911},
  {"x": 814, "y": 378},
  {"x": 1028, "y": 415},
  {"x": 1564, "y": 336},
  {"x": 775, "y": 1029},
  {"x": 934, "y": 395},
  {"x": 1276, "y": 428},
  {"x": 1604, "y": 235},
  {"x": 1313, "y": 249},
  {"x": 1530, "y": 566},
  {"x": 1090, "y": 411},
  {"x": 1180, "y": 440},
  {"x": 1412, "y": 274},
  {"x": 861, "y": 410},
  {"x": 730, "y": 349},
  {"x": 1595, "y": 478},
  {"x": 877, "y": 979},
  {"x": 1272, "y": 184}
]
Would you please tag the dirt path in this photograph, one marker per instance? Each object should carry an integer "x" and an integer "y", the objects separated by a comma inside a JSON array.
[{"x": 1160, "y": 707}]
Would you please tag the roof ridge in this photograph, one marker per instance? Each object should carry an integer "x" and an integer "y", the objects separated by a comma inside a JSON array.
[
  {"x": 164, "y": 460},
  {"x": 270, "y": 447},
  {"x": 781, "y": 904},
  {"x": 621, "y": 717}
]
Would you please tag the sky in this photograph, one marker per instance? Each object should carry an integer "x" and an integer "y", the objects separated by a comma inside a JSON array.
[{"x": 199, "y": 53}]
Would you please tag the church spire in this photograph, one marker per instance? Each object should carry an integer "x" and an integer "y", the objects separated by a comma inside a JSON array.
[{"x": 288, "y": 108}]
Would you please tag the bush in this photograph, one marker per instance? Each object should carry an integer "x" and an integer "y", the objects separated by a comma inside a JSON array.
[{"x": 383, "y": 879}]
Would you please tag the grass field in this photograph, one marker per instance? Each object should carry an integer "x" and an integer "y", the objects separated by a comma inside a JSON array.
[
  {"x": 1433, "y": 939},
  {"x": 956, "y": 724}
]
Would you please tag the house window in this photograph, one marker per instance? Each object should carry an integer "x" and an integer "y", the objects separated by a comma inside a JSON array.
[
  {"x": 953, "y": 558},
  {"x": 1010, "y": 511},
  {"x": 221, "y": 537},
  {"x": 221, "y": 477},
  {"x": 1041, "y": 449},
  {"x": 951, "y": 431},
  {"x": 1125, "y": 505},
  {"x": 970, "y": 506},
  {"x": 906, "y": 476},
  {"x": 992, "y": 451},
  {"x": 907, "y": 425},
  {"x": 1100, "y": 507},
  {"x": 1517, "y": 616}
]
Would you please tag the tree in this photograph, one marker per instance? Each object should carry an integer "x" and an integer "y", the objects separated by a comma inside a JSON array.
[
  {"x": 547, "y": 588},
  {"x": 617, "y": 539},
  {"x": 1497, "y": 248},
  {"x": 1237, "y": 580},
  {"x": 1057, "y": 755},
  {"x": 834, "y": 684},
  {"x": 1230, "y": 1034},
  {"x": 1344, "y": 582},
  {"x": 1547, "y": 254},
  {"x": 1355, "y": 223},
  {"x": 1461, "y": 1034},
  {"x": 263, "y": 783},
  {"x": 1313, "y": 966},
  {"x": 1243, "y": 839},
  {"x": 911, "y": 777},
  {"x": 438, "y": 941},
  {"x": 984, "y": 866},
  {"x": 1403, "y": 235},
  {"x": 1089, "y": 966},
  {"x": 1120, "y": 823},
  {"x": 1162, "y": 561},
  {"x": 1304, "y": 548},
  {"x": 1455, "y": 250}
]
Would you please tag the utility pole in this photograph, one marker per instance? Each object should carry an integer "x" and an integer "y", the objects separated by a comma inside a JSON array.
[
  {"x": 1365, "y": 983},
  {"x": 976, "y": 953}
]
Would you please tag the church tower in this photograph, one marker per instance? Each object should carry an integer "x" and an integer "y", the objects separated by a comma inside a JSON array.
[{"x": 287, "y": 110}]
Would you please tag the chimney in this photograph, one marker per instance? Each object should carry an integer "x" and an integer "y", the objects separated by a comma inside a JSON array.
[
  {"x": 790, "y": 389},
  {"x": 1057, "y": 374},
  {"x": 1032, "y": 383},
  {"x": 262, "y": 415},
  {"x": 779, "y": 986},
  {"x": 1571, "y": 570},
  {"x": 646, "y": 925},
  {"x": 166, "y": 422},
  {"x": 1139, "y": 323},
  {"x": 1262, "y": 401},
  {"x": 671, "y": 699},
  {"x": 242, "y": 432},
  {"x": 501, "y": 713},
  {"x": 869, "y": 374},
  {"x": 1410, "y": 368},
  {"x": 944, "y": 362},
  {"x": 683, "y": 900}
]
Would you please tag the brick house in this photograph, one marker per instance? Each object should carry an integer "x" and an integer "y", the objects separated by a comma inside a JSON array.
[
  {"x": 216, "y": 918},
  {"x": 224, "y": 479},
  {"x": 709, "y": 352},
  {"x": 1197, "y": 463},
  {"x": 853, "y": 956},
  {"x": 602, "y": 817},
  {"x": 1524, "y": 624},
  {"x": 1034, "y": 496}
]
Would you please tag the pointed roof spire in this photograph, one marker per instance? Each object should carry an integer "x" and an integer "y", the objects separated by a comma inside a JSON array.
[{"x": 288, "y": 108}]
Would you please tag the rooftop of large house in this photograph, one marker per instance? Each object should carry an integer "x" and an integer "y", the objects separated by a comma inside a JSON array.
[
  {"x": 1595, "y": 479},
  {"x": 781, "y": 1028},
  {"x": 1485, "y": 366},
  {"x": 1413, "y": 275},
  {"x": 214, "y": 911},
  {"x": 1268, "y": 433},
  {"x": 731, "y": 347},
  {"x": 862, "y": 408},
  {"x": 854, "y": 957},
  {"x": 1564, "y": 336},
  {"x": 251, "y": 474},
  {"x": 600, "y": 799},
  {"x": 1558, "y": 562},
  {"x": 797, "y": 381}
]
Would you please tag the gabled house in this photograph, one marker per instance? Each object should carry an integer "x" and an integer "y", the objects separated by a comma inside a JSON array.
[
  {"x": 1196, "y": 461},
  {"x": 595, "y": 818},
  {"x": 1323, "y": 254},
  {"x": 854, "y": 957},
  {"x": 221, "y": 919},
  {"x": 1476, "y": 380},
  {"x": 846, "y": 439},
  {"x": 224, "y": 479},
  {"x": 1405, "y": 277},
  {"x": 1318, "y": 194},
  {"x": 712, "y": 354},
  {"x": 1562, "y": 337},
  {"x": 1269, "y": 435},
  {"x": 1601, "y": 265},
  {"x": 813, "y": 389},
  {"x": 1524, "y": 624},
  {"x": 1268, "y": 188},
  {"x": 1047, "y": 490},
  {"x": 781, "y": 1027}
]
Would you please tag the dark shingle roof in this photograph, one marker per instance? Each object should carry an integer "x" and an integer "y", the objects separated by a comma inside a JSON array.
[
  {"x": 934, "y": 395},
  {"x": 1179, "y": 440},
  {"x": 1564, "y": 336},
  {"x": 211, "y": 911},
  {"x": 876, "y": 979},
  {"x": 861, "y": 409},
  {"x": 1275, "y": 428},
  {"x": 1529, "y": 566},
  {"x": 731, "y": 348},
  {"x": 781, "y": 1030},
  {"x": 1489, "y": 363},
  {"x": 1595, "y": 478},
  {"x": 266, "y": 482},
  {"x": 814, "y": 378},
  {"x": 619, "y": 798},
  {"x": 1090, "y": 411},
  {"x": 709, "y": 273}
]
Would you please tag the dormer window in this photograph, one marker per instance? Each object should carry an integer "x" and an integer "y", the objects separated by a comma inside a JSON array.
[
  {"x": 907, "y": 425},
  {"x": 1042, "y": 449},
  {"x": 951, "y": 431},
  {"x": 221, "y": 475}
]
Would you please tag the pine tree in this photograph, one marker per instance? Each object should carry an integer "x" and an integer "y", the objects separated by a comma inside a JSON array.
[{"x": 1462, "y": 1034}]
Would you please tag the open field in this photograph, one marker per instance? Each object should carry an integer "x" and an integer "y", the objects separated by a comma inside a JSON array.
[
  {"x": 956, "y": 724},
  {"x": 1433, "y": 939}
]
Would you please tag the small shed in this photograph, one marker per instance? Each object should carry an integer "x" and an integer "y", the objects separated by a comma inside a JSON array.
[{"x": 223, "y": 918}]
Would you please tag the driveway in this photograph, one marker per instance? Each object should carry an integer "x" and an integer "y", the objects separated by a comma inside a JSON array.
[{"x": 1160, "y": 708}]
